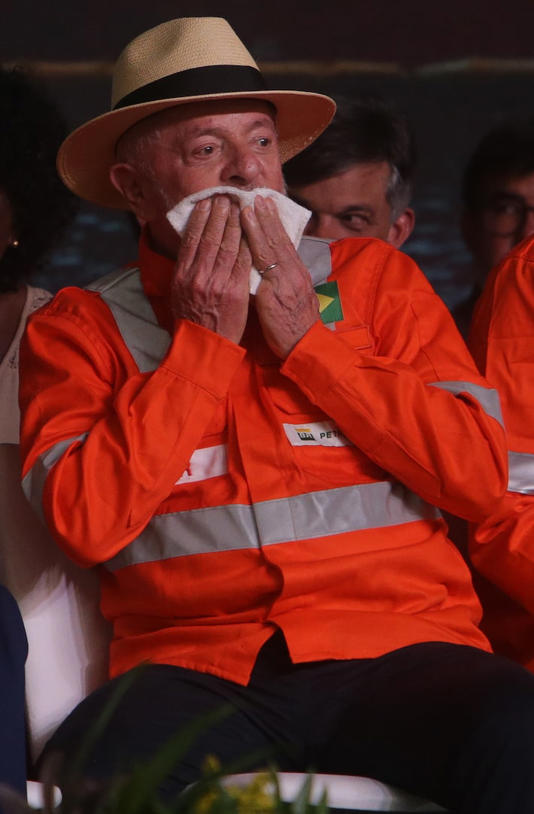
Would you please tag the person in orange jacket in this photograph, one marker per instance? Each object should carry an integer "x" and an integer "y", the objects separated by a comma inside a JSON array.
[
  {"x": 256, "y": 476},
  {"x": 497, "y": 203},
  {"x": 502, "y": 545}
]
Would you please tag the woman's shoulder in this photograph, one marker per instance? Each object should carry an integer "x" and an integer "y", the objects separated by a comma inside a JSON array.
[{"x": 36, "y": 298}]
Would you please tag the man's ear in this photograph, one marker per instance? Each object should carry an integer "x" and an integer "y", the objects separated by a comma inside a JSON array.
[
  {"x": 401, "y": 228},
  {"x": 126, "y": 180}
]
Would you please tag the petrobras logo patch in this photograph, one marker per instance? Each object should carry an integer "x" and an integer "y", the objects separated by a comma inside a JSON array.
[{"x": 316, "y": 433}]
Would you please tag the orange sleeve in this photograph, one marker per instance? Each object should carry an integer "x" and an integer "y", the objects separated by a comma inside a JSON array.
[
  {"x": 444, "y": 446},
  {"x": 502, "y": 546},
  {"x": 125, "y": 437}
]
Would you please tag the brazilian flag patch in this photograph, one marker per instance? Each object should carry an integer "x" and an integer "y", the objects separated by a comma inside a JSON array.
[{"x": 329, "y": 302}]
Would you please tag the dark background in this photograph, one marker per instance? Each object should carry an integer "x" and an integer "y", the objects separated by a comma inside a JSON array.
[
  {"x": 455, "y": 68},
  {"x": 409, "y": 33}
]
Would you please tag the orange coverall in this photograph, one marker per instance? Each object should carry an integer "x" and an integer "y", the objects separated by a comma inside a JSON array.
[
  {"x": 502, "y": 546},
  {"x": 225, "y": 495}
]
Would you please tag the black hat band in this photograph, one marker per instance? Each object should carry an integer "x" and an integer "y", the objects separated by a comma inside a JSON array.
[{"x": 205, "y": 81}]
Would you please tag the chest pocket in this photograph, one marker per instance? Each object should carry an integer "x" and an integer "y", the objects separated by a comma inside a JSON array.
[
  {"x": 330, "y": 463},
  {"x": 287, "y": 398}
]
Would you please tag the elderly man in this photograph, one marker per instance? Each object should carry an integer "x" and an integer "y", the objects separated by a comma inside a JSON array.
[
  {"x": 255, "y": 475},
  {"x": 502, "y": 547},
  {"x": 357, "y": 177}
]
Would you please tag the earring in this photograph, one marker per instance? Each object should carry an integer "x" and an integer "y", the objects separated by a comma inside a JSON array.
[{"x": 14, "y": 243}]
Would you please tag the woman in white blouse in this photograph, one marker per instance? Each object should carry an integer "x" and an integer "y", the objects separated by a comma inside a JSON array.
[{"x": 34, "y": 209}]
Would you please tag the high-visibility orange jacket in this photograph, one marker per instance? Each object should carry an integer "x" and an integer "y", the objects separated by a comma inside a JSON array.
[
  {"x": 226, "y": 495},
  {"x": 502, "y": 547}
]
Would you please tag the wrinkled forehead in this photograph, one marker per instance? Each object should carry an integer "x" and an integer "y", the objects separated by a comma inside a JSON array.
[{"x": 195, "y": 113}]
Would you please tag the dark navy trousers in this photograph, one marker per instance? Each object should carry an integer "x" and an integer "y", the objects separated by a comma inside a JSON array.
[
  {"x": 448, "y": 722},
  {"x": 13, "y": 652}
]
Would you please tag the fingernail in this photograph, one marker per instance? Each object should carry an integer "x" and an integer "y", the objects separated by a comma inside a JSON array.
[{"x": 204, "y": 204}]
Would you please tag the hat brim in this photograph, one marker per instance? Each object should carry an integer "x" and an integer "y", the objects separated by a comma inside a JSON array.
[{"x": 86, "y": 155}]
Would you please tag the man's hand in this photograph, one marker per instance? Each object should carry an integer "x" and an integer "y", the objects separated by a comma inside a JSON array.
[
  {"x": 286, "y": 303},
  {"x": 211, "y": 280}
]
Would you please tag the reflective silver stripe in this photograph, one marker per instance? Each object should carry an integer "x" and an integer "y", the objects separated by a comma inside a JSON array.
[
  {"x": 315, "y": 254},
  {"x": 521, "y": 473},
  {"x": 317, "y": 514},
  {"x": 148, "y": 343},
  {"x": 487, "y": 397},
  {"x": 224, "y": 528},
  {"x": 136, "y": 321},
  {"x": 205, "y": 463},
  {"x": 34, "y": 480}
]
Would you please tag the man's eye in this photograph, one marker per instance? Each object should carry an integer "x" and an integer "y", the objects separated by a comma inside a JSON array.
[
  {"x": 206, "y": 149},
  {"x": 263, "y": 141},
  {"x": 355, "y": 219},
  {"x": 507, "y": 208}
]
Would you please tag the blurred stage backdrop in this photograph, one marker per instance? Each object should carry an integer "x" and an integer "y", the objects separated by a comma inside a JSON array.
[{"x": 455, "y": 69}]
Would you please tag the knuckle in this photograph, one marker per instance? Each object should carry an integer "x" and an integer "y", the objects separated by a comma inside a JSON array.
[
  {"x": 226, "y": 256},
  {"x": 208, "y": 241},
  {"x": 263, "y": 259},
  {"x": 219, "y": 216},
  {"x": 196, "y": 289},
  {"x": 272, "y": 241},
  {"x": 230, "y": 243},
  {"x": 191, "y": 237}
]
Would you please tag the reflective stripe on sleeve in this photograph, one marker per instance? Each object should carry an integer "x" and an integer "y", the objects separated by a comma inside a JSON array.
[
  {"x": 487, "y": 397},
  {"x": 145, "y": 339},
  {"x": 521, "y": 473},
  {"x": 147, "y": 342},
  {"x": 34, "y": 480},
  {"x": 315, "y": 254},
  {"x": 307, "y": 516}
]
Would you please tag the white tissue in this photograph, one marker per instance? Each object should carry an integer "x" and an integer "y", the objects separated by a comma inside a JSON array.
[{"x": 294, "y": 217}]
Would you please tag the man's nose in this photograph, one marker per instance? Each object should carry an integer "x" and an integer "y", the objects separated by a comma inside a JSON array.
[{"x": 242, "y": 168}]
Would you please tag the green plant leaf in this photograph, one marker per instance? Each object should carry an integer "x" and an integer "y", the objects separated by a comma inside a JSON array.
[
  {"x": 140, "y": 788},
  {"x": 137, "y": 791}
]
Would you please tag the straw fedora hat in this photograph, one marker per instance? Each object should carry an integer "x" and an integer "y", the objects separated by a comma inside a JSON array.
[{"x": 191, "y": 59}]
